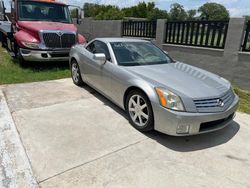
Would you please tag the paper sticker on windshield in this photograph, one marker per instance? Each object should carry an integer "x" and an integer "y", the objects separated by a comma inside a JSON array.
[{"x": 120, "y": 45}]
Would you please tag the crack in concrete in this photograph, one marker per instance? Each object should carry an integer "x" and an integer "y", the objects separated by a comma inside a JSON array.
[{"x": 93, "y": 160}]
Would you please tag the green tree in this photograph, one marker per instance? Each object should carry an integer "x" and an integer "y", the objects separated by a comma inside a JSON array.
[
  {"x": 145, "y": 10},
  {"x": 213, "y": 11},
  {"x": 111, "y": 14},
  {"x": 108, "y": 12},
  {"x": 102, "y": 12},
  {"x": 142, "y": 10},
  {"x": 191, "y": 14},
  {"x": 157, "y": 14},
  {"x": 139, "y": 11},
  {"x": 90, "y": 9},
  {"x": 247, "y": 17},
  {"x": 177, "y": 12}
]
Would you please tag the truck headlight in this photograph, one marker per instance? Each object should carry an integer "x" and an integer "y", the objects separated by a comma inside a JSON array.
[
  {"x": 169, "y": 100},
  {"x": 32, "y": 45}
]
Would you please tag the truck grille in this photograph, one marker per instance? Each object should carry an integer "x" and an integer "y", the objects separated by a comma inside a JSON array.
[
  {"x": 53, "y": 40},
  {"x": 218, "y": 104}
]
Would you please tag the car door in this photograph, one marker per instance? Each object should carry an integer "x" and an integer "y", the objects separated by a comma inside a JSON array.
[
  {"x": 95, "y": 71},
  {"x": 90, "y": 68},
  {"x": 107, "y": 71}
]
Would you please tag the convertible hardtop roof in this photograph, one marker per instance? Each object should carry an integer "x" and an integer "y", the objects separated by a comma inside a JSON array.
[{"x": 108, "y": 40}]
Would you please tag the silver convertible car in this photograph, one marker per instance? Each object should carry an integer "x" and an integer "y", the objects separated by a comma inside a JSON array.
[{"x": 155, "y": 91}]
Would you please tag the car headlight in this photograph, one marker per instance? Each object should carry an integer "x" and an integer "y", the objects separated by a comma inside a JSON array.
[
  {"x": 169, "y": 100},
  {"x": 32, "y": 45}
]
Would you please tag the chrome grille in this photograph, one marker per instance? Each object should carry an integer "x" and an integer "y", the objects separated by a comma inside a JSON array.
[
  {"x": 217, "y": 104},
  {"x": 54, "y": 40},
  {"x": 68, "y": 40}
]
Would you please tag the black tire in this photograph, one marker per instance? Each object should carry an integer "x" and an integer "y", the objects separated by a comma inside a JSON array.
[
  {"x": 19, "y": 57},
  {"x": 147, "y": 124},
  {"x": 75, "y": 70}
]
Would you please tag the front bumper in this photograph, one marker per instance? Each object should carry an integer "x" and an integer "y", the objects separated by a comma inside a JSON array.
[
  {"x": 45, "y": 55},
  {"x": 171, "y": 122}
]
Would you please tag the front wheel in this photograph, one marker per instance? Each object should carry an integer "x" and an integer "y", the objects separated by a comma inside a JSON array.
[
  {"x": 140, "y": 111},
  {"x": 75, "y": 73},
  {"x": 19, "y": 57}
]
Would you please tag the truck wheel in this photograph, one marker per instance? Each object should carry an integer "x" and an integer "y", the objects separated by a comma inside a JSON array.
[
  {"x": 3, "y": 41},
  {"x": 19, "y": 57}
]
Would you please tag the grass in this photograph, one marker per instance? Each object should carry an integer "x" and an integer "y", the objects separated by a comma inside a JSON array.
[
  {"x": 11, "y": 72},
  {"x": 244, "y": 100}
]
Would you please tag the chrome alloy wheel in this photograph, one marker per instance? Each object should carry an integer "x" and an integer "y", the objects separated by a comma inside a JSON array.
[
  {"x": 138, "y": 110},
  {"x": 75, "y": 72}
]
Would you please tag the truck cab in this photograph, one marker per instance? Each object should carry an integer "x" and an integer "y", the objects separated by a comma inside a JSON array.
[{"x": 40, "y": 30}]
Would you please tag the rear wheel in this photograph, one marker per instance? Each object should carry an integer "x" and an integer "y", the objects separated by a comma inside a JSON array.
[
  {"x": 140, "y": 111},
  {"x": 75, "y": 73}
]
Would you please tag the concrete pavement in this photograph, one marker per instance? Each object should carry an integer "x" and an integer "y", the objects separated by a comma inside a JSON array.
[
  {"x": 74, "y": 137},
  {"x": 15, "y": 168}
]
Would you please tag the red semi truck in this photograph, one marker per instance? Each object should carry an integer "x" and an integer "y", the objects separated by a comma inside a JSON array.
[{"x": 39, "y": 30}]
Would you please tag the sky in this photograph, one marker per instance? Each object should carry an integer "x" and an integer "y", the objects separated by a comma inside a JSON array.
[{"x": 236, "y": 8}]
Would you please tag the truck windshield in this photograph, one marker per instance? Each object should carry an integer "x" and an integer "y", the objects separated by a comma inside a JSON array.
[{"x": 42, "y": 11}]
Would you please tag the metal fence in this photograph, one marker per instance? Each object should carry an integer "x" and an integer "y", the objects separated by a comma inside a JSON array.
[
  {"x": 145, "y": 29},
  {"x": 211, "y": 34},
  {"x": 246, "y": 42}
]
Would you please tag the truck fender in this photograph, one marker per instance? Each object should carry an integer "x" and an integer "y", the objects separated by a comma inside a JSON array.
[
  {"x": 22, "y": 36},
  {"x": 81, "y": 39}
]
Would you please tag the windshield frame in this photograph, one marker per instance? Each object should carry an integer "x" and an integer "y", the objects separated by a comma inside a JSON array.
[
  {"x": 69, "y": 21},
  {"x": 137, "y": 64}
]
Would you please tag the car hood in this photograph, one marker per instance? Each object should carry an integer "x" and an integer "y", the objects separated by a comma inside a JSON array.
[
  {"x": 37, "y": 26},
  {"x": 184, "y": 80}
]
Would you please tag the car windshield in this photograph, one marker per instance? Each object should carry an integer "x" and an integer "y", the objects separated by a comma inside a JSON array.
[
  {"x": 42, "y": 11},
  {"x": 138, "y": 53}
]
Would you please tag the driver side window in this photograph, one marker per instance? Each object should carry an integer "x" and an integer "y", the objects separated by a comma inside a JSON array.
[{"x": 99, "y": 47}]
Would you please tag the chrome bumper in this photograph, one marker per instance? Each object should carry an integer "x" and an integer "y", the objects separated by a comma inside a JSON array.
[
  {"x": 184, "y": 123},
  {"x": 45, "y": 55}
]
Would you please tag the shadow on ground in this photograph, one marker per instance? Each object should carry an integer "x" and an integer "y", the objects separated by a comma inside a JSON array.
[
  {"x": 196, "y": 142},
  {"x": 180, "y": 144},
  {"x": 44, "y": 66}
]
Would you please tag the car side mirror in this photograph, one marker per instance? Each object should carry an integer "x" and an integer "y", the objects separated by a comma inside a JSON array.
[{"x": 100, "y": 57}]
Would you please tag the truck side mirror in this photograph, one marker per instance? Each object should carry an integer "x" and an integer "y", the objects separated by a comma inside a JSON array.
[
  {"x": 79, "y": 16},
  {"x": 2, "y": 11}
]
